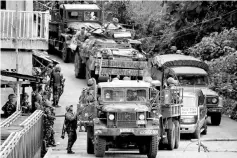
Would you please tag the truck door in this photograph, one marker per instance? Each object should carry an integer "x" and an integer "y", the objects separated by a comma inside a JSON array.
[{"x": 202, "y": 109}]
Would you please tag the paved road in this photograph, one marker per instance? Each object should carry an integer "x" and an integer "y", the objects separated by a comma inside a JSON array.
[{"x": 227, "y": 129}]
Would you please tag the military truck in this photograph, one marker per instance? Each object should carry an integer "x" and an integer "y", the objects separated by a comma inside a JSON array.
[
  {"x": 72, "y": 16},
  {"x": 191, "y": 74},
  {"x": 130, "y": 114},
  {"x": 104, "y": 58}
]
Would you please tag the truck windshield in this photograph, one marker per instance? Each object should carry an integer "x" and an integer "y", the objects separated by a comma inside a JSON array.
[
  {"x": 136, "y": 95},
  {"x": 114, "y": 95},
  {"x": 192, "y": 80},
  {"x": 91, "y": 16},
  {"x": 189, "y": 101},
  {"x": 75, "y": 15}
]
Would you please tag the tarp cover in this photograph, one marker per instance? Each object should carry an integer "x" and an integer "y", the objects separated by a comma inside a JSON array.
[{"x": 174, "y": 60}]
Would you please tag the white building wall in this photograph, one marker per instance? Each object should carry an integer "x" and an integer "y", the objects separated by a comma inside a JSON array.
[{"x": 8, "y": 61}]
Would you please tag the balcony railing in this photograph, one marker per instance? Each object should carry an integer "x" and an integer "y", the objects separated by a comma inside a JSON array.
[
  {"x": 27, "y": 142},
  {"x": 27, "y": 26}
]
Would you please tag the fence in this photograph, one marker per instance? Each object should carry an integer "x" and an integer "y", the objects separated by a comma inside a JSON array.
[
  {"x": 27, "y": 142},
  {"x": 10, "y": 119},
  {"x": 29, "y": 24}
]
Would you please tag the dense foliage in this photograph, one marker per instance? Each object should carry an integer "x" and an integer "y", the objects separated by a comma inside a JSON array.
[{"x": 203, "y": 29}]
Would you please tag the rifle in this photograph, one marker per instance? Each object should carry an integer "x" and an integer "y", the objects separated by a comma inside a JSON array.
[{"x": 64, "y": 129}]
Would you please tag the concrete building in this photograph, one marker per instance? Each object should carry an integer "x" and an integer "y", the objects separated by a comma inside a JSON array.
[{"x": 30, "y": 28}]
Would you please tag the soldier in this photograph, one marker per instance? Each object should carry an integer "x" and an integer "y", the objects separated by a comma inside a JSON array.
[
  {"x": 38, "y": 102},
  {"x": 71, "y": 126},
  {"x": 26, "y": 108},
  {"x": 82, "y": 35},
  {"x": 10, "y": 107},
  {"x": 48, "y": 125},
  {"x": 56, "y": 82}
]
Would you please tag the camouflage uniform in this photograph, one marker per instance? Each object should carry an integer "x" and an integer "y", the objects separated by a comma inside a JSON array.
[
  {"x": 48, "y": 125},
  {"x": 10, "y": 107},
  {"x": 56, "y": 82},
  {"x": 26, "y": 108},
  {"x": 71, "y": 126}
]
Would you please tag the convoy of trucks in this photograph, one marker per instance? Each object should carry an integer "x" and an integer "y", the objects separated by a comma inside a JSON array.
[{"x": 114, "y": 69}]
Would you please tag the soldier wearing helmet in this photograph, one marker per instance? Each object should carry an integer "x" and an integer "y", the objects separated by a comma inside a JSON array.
[
  {"x": 10, "y": 107},
  {"x": 25, "y": 105},
  {"x": 57, "y": 84},
  {"x": 38, "y": 102},
  {"x": 113, "y": 25},
  {"x": 71, "y": 126}
]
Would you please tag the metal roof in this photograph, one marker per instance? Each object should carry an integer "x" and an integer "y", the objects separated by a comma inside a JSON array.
[
  {"x": 172, "y": 57},
  {"x": 189, "y": 70},
  {"x": 125, "y": 84},
  {"x": 80, "y": 6}
]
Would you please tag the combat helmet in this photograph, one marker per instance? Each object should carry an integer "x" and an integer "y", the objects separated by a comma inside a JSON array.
[
  {"x": 11, "y": 96},
  {"x": 58, "y": 68},
  {"x": 90, "y": 82}
]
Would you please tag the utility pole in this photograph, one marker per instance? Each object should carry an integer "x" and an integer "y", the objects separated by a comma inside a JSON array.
[{"x": 17, "y": 62}]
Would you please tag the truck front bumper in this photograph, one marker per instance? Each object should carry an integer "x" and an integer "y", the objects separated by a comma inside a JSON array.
[
  {"x": 214, "y": 110},
  {"x": 126, "y": 131},
  {"x": 184, "y": 128}
]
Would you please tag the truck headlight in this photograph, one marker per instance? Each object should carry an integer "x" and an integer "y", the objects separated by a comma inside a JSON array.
[
  {"x": 111, "y": 117},
  {"x": 141, "y": 116},
  {"x": 214, "y": 100}
]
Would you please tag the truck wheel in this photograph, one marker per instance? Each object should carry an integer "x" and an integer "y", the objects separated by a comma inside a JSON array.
[
  {"x": 99, "y": 146},
  {"x": 204, "y": 132},
  {"x": 171, "y": 137},
  {"x": 177, "y": 134},
  {"x": 216, "y": 119},
  {"x": 143, "y": 149},
  {"x": 90, "y": 146},
  {"x": 153, "y": 147},
  {"x": 65, "y": 53}
]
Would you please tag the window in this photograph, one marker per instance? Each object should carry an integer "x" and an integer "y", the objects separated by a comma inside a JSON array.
[
  {"x": 3, "y": 4},
  {"x": 74, "y": 15},
  {"x": 192, "y": 80},
  {"x": 91, "y": 16},
  {"x": 115, "y": 95},
  {"x": 136, "y": 95}
]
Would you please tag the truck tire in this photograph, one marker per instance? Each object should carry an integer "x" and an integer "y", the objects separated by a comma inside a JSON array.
[
  {"x": 66, "y": 53},
  {"x": 171, "y": 137},
  {"x": 204, "y": 132},
  {"x": 90, "y": 146},
  {"x": 78, "y": 66},
  {"x": 153, "y": 147},
  {"x": 216, "y": 119},
  {"x": 99, "y": 146},
  {"x": 143, "y": 149},
  {"x": 177, "y": 134}
]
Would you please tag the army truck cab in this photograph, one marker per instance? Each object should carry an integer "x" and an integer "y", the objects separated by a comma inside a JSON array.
[
  {"x": 191, "y": 74},
  {"x": 69, "y": 19},
  {"x": 131, "y": 114}
]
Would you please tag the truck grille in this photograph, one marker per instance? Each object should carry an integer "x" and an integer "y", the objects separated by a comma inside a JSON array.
[
  {"x": 125, "y": 116},
  {"x": 126, "y": 124}
]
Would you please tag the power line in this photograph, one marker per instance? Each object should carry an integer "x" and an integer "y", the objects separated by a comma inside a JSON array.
[{"x": 220, "y": 18}]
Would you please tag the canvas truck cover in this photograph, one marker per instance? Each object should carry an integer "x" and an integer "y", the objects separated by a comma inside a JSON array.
[{"x": 176, "y": 60}]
